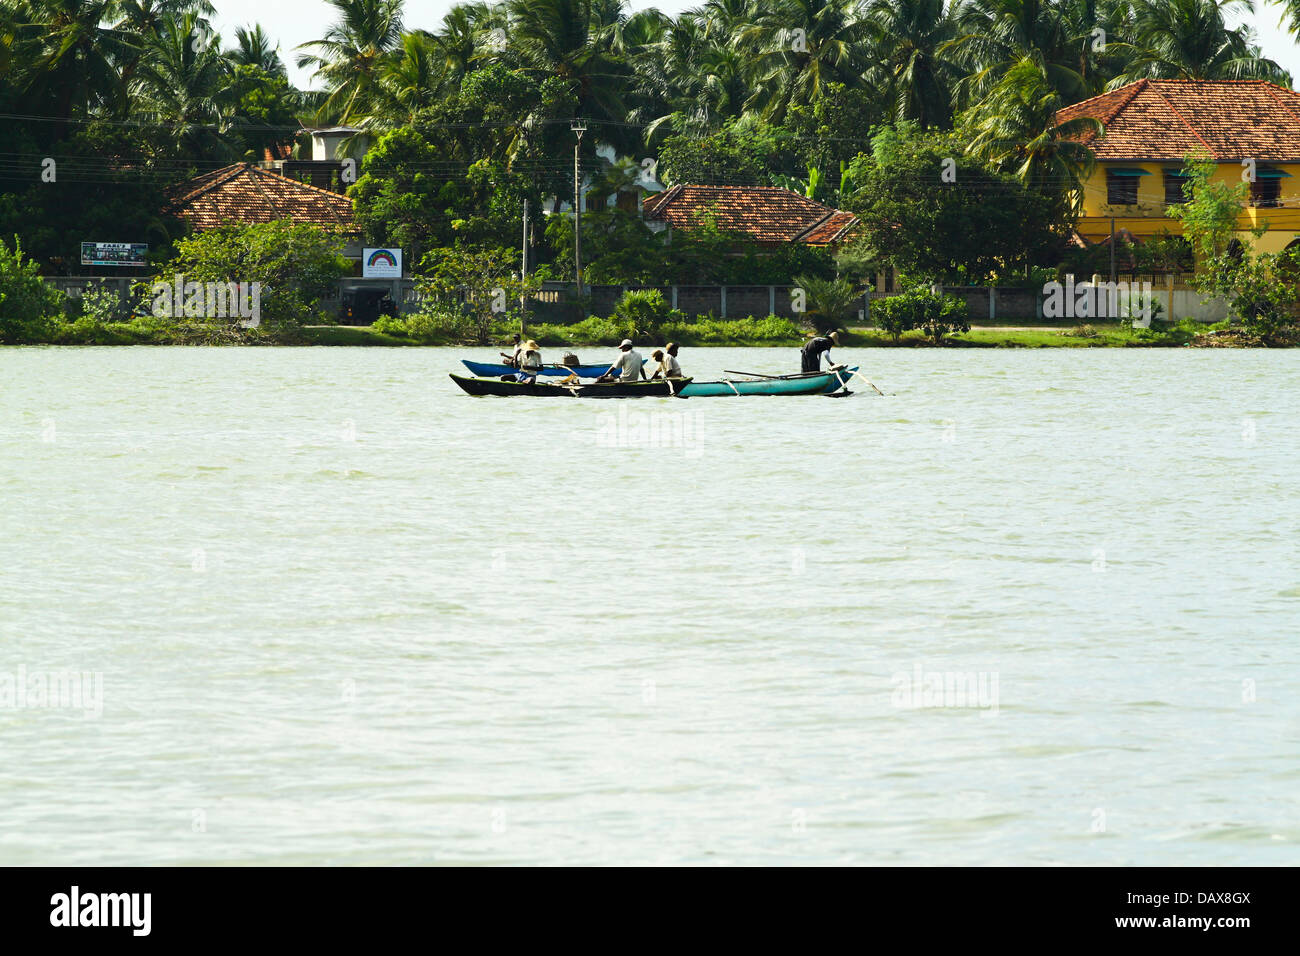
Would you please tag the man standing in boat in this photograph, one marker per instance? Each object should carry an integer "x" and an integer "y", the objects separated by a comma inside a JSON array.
[
  {"x": 815, "y": 348},
  {"x": 628, "y": 367}
]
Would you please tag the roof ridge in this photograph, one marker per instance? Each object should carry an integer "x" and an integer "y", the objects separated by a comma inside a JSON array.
[
  {"x": 1187, "y": 123},
  {"x": 1272, "y": 89},
  {"x": 820, "y": 221}
]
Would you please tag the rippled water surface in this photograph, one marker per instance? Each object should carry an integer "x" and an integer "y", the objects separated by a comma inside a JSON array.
[{"x": 343, "y": 613}]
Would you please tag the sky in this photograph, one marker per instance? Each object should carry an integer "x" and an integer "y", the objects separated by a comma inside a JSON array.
[{"x": 293, "y": 22}]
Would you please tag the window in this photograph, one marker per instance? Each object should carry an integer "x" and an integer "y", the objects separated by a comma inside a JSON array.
[
  {"x": 1174, "y": 187},
  {"x": 1121, "y": 190},
  {"x": 1265, "y": 191}
]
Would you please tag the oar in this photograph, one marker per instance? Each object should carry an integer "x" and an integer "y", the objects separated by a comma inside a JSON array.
[
  {"x": 732, "y": 371},
  {"x": 869, "y": 382}
]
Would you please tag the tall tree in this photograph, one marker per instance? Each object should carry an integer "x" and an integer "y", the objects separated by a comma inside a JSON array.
[{"x": 350, "y": 57}]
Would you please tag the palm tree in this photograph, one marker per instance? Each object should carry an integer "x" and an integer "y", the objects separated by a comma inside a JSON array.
[
  {"x": 995, "y": 35},
  {"x": 411, "y": 79},
  {"x": 1191, "y": 40},
  {"x": 182, "y": 83},
  {"x": 350, "y": 57},
  {"x": 805, "y": 45},
  {"x": 1016, "y": 128},
  {"x": 908, "y": 39},
  {"x": 570, "y": 39},
  {"x": 254, "y": 48},
  {"x": 71, "y": 55}
]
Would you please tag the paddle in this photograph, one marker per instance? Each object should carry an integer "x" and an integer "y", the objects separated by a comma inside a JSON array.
[
  {"x": 869, "y": 382},
  {"x": 732, "y": 371}
]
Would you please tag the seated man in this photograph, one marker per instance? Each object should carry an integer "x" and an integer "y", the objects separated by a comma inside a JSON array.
[
  {"x": 530, "y": 362},
  {"x": 512, "y": 359},
  {"x": 627, "y": 368},
  {"x": 674, "y": 367}
]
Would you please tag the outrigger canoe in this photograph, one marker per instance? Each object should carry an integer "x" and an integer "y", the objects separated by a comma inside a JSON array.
[
  {"x": 804, "y": 383},
  {"x": 489, "y": 369},
  {"x": 495, "y": 386}
]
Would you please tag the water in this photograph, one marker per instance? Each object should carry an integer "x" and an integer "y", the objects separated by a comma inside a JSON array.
[{"x": 343, "y": 613}]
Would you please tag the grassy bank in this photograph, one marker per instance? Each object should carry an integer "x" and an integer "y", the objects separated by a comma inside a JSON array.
[{"x": 771, "y": 332}]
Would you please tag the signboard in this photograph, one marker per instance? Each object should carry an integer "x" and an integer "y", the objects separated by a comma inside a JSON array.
[
  {"x": 381, "y": 263},
  {"x": 113, "y": 253}
]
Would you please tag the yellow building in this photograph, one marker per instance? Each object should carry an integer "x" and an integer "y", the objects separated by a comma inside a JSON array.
[{"x": 1251, "y": 128}]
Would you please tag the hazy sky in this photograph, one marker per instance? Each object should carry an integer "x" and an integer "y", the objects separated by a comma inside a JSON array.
[{"x": 296, "y": 21}]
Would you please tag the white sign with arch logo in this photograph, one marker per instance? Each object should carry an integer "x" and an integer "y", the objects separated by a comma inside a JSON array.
[{"x": 381, "y": 264}]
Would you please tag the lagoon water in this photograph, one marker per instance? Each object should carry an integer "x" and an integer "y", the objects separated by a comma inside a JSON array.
[{"x": 343, "y": 613}]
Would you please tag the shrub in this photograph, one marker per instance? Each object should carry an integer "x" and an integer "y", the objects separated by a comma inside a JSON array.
[
  {"x": 830, "y": 303},
  {"x": 29, "y": 306},
  {"x": 920, "y": 307},
  {"x": 297, "y": 266},
  {"x": 645, "y": 313}
]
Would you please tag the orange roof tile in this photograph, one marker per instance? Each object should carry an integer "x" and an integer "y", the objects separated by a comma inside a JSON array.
[
  {"x": 246, "y": 194},
  {"x": 1160, "y": 120},
  {"x": 768, "y": 214}
]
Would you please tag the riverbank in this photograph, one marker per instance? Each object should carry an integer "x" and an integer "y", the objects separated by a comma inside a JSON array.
[
  {"x": 716, "y": 334},
  {"x": 770, "y": 332}
]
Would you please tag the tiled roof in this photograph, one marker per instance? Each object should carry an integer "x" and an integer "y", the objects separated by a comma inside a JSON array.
[
  {"x": 246, "y": 194},
  {"x": 768, "y": 214},
  {"x": 1169, "y": 119}
]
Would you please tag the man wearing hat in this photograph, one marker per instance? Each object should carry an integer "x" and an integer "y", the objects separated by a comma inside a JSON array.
[
  {"x": 627, "y": 368},
  {"x": 815, "y": 348},
  {"x": 530, "y": 362}
]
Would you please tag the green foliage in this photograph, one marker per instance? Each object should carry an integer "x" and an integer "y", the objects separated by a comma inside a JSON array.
[
  {"x": 1210, "y": 214},
  {"x": 769, "y": 330},
  {"x": 430, "y": 327},
  {"x": 926, "y": 207},
  {"x": 29, "y": 306},
  {"x": 748, "y": 151},
  {"x": 830, "y": 303},
  {"x": 297, "y": 265},
  {"x": 478, "y": 283},
  {"x": 645, "y": 312},
  {"x": 1263, "y": 293},
  {"x": 920, "y": 307}
]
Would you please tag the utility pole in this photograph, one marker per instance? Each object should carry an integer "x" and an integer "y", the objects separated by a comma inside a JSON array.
[
  {"x": 1112, "y": 248},
  {"x": 578, "y": 127},
  {"x": 523, "y": 273}
]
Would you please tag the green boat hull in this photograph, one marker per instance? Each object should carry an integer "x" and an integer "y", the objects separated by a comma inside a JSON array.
[{"x": 812, "y": 383}]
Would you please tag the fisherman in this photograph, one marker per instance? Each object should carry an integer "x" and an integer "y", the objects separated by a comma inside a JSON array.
[
  {"x": 674, "y": 367},
  {"x": 628, "y": 366},
  {"x": 661, "y": 366},
  {"x": 513, "y": 360},
  {"x": 815, "y": 348},
  {"x": 530, "y": 362}
]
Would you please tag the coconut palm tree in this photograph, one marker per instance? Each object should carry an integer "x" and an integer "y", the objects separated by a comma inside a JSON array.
[
  {"x": 571, "y": 39},
  {"x": 182, "y": 82},
  {"x": 804, "y": 46},
  {"x": 254, "y": 48},
  {"x": 1191, "y": 40},
  {"x": 908, "y": 40},
  {"x": 71, "y": 55},
  {"x": 995, "y": 35},
  {"x": 1016, "y": 128},
  {"x": 350, "y": 57}
]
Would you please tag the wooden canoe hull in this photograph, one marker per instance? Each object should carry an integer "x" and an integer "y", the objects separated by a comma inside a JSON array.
[
  {"x": 810, "y": 383},
  {"x": 645, "y": 389},
  {"x": 489, "y": 369}
]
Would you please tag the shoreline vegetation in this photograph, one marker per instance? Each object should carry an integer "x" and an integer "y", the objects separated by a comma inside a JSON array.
[{"x": 771, "y": 332}]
